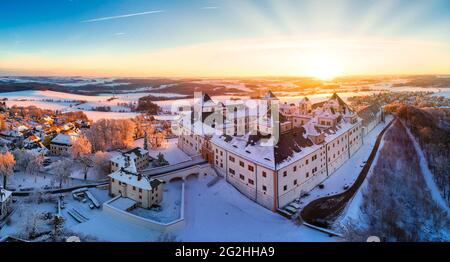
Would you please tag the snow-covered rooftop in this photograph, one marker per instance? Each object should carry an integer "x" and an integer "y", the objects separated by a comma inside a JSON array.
[
  {"x": 64, "y": 139},
  {"x": 133, "y": 179},
  {"x": 4, "y": 195}
]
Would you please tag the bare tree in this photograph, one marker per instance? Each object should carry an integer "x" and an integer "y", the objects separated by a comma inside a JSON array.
[
  {"x": 101, "y": 161},
  {"x": 62, "y": 170},
  {"x": 81, "y": 151},
  {"x": 7, "y": 163},
  {"x": 35, "y": 163},
  {"x": 110, "y": 134},
  {"x": 81, "y": 147}
]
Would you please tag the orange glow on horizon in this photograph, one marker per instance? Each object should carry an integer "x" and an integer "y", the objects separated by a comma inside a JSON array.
[{"x": 323, "y": 58}]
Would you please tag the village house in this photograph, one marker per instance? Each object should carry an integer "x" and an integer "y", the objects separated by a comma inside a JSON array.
[
  {"x": 139, "y": 156},
  {"x": 144, "y": 191},
  {"x": 282, "y": 154},
  {"x": 61, "y": 144},
  {"x": 126, "y": 180}
]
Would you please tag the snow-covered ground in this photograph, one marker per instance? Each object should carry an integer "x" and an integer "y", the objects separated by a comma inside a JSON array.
[
  {"x": 352, "y": 210},
  {"x": 26, "y": 181},
  {"x": 170, "y": 151},
  {"x": 221, "y": 213},
  {"x": 216, "y": 213},
  {"x": 349, "y": 171},
  {"x": 170, "y": 205}
]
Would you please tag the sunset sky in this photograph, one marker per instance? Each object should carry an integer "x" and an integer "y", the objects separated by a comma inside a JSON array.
[{"x": 224, "y": 38}]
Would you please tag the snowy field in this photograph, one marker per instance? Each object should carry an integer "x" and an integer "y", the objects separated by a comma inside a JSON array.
[{"x": 68, "y": 102}]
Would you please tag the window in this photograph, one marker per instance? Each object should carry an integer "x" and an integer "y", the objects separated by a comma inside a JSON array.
[
  {"x": 314, "y": 170},
  {"x": 134, "y": 188},
  {"x": 307, "y": 174},
  {"x": 231, "y": 171},
  {"x": 295, "y": 168},
  {"x": 251, "y": 168},
  {"x": 113, "y": 180},
  {"x": 284, "y": 187},
  {"x": 251, "y": 182},
  {"x": 231, "y": 159},
  {"x": 314, "y": 157},
  {"x": 284, "y": 173},
  {"x": 295, "y": 182},
  {"x": 241, "y": 164},
  {"x": 140, "y": 197},
  {"x": 264, "y": 188},
  {"x": 264, "y": 174},
  {"x": 307, "y": 161},
  {"x": 241, "y": 176},
  {"x": 140, "y": 190}
]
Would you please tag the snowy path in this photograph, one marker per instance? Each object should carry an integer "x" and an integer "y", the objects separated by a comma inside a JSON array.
[
  {"x": 434, "y": 190},
  {"x": 349, "y": 171}
]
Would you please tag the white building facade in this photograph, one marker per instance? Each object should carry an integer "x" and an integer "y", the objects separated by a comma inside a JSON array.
[{"x": 313, "y": 141}]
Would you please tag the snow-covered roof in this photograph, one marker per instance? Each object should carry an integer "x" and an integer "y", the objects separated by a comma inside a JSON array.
[
  {"x": 21, "y": 128},
  {"x": 11, "y": 133},
  {"x": 63, "y": 139},
  {"x": 4, "y": 195},
  {"x": 123, "y": 203},
  {"x": 311, "y": 129},
  {"x": 134, "y": 179},
  {"x": 290, "y": 146},
  {"x": 132, "y": 155},
  {"x": 305, "y": 100},
  {"x": 258, "y": 151},
  {"x": 270, "y": 96},
  {"x": 328, "y": 113}
]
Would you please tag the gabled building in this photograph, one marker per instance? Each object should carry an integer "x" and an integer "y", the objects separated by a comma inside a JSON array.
[
  {"x": 61, "y": 144},
  {"x": 285, "y": 154},
  {"x": 127, "y": 181},
  {"x": 138, "y": 156}
]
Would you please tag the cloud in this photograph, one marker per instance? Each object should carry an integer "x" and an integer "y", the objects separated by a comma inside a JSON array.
[
  {"x": 121, "y": 16},
  {"x": 209, "y": 7},
  {"x": 119, "y": 33}
]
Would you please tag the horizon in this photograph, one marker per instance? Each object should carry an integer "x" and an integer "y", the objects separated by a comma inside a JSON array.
[
  {"x": 225, "y": 77},
  {"x": 224, "y": 39}
]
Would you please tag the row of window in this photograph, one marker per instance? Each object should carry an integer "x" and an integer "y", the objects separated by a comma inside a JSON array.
[
  {"x": 242, "y": 164},
  {"x": 125, "y": 184}
]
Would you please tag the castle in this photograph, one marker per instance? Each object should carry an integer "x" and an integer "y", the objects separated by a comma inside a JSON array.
[{"x": 272, "y": 152}]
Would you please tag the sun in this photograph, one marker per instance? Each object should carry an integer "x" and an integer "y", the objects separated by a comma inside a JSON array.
[{"x": 323, "y": 67}]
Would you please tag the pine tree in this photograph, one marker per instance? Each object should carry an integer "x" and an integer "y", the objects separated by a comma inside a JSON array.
[{"x": 145, "y": 141}]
